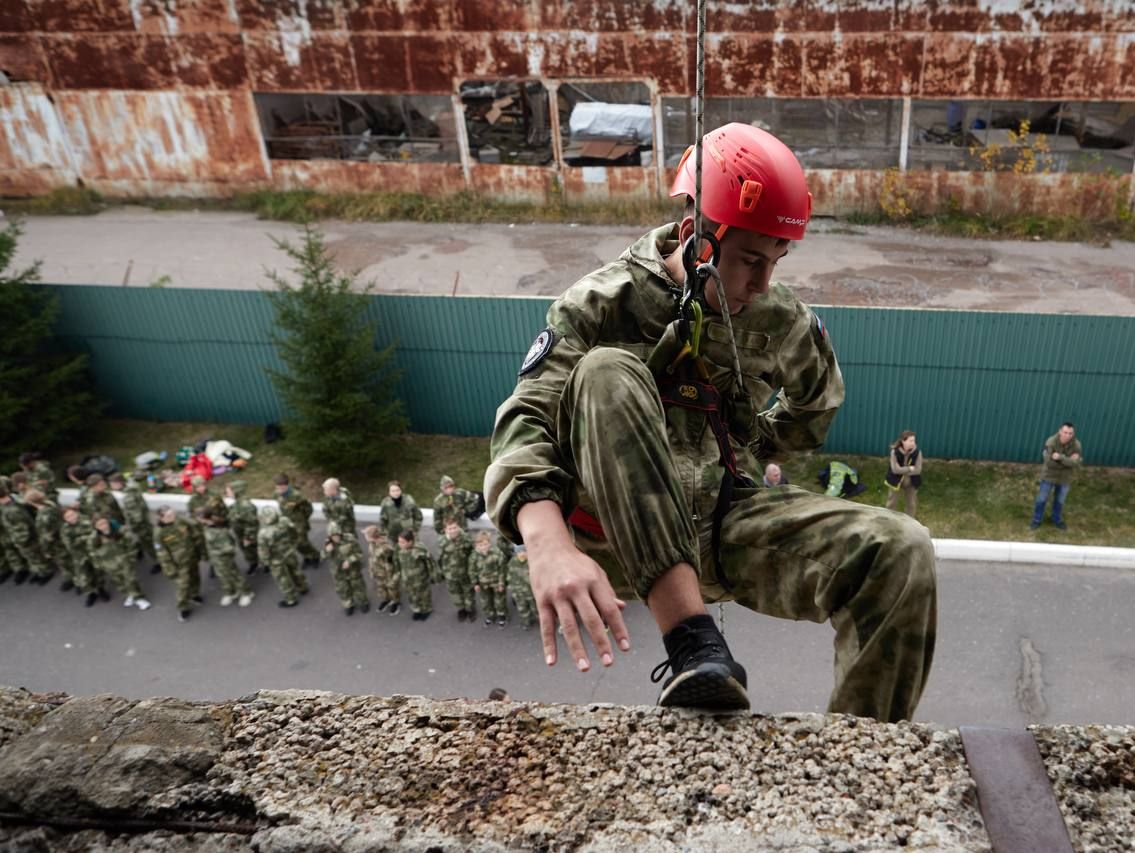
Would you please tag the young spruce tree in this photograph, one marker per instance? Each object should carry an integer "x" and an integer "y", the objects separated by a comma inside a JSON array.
[
  {"x": 45, "y": 395},
  {"x": 337, "y": 389}
]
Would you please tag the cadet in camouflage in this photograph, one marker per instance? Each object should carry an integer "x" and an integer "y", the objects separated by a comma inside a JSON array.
[
  {"x": 489, "y": 569},
  {"x": 198, "y": 500},
  {"x": 244, "y": 523},
  {"x": 40, "y": 474},
  {"x": 346, "y": 555},
  {"x": 297, "y": 510},
  {"x": 221, "y": 549},
  {"x": 96, "y": 500},
  {"x": 136, "y": 511},
  {"x": 398, "y": 512},
  {"x": 417, "y": 569},
  {"x": 20, "y": 539},
  {"x": 48, "y": 532},
  {"x": 338, "y": 506},
  {"x": 276, "y": 547},
  {"x": 585, "y": 429},
  {"x": 75, "y": 533},
  {"x": 520, "y": 588},
  {"x": 177, "y": 555},
  {"x": 383, "y": 570},
  {"x": 114, "y": 553},
  {"x": 452, "y": 503},
  {"x": 456, "y": 547}
]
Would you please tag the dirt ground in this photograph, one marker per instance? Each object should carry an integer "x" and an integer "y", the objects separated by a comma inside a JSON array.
[{"x": 836, "y": 264}]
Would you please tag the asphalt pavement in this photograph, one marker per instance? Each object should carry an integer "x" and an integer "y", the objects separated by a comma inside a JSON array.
[{"x": 1016, "y": 645}]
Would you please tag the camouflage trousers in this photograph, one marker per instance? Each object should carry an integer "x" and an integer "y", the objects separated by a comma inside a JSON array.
[
  {"x": 349, "y": 585},
  {"x": 233, "y": 581},
  {"x": 786, "y": 552},
  {"x": 387, "y": 581},
  {"x": 86, "y": 577},
  {"x": 187, "y": 585},
  {"x": 9, "y": 565},
  {"x": 460, "y": 587},
  {"x": 197, "y": 534},
  {"x": 494, "y": 603},
  {"x": 305, "y": 549},
  {"x": 123, "y": 576},
  {"x": 419, "y": 591},
  {"x": 525, "y": 603},
  {"x": 31, "y": 557},
  {"x": 145, "y": 534},
  {"x": 289, "y": 579},
  {"x": 251, "y": 557}
]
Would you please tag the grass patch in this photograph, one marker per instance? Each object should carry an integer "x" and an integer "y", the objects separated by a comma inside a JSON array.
[
  {"x": 955, "y": 223},
  {"x": 960, "y": 499},
  {"x": 64, "y": 201}
]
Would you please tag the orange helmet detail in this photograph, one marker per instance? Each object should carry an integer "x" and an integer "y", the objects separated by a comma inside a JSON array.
[{"x": 750, "y": 180}]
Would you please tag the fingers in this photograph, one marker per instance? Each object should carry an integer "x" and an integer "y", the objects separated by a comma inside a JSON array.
[
  {"x": 572, "y": 637},
  {"x": 548, "y": 632},
  {"x": 613, "y": 616},
  {"x": 597, "y": 630}
]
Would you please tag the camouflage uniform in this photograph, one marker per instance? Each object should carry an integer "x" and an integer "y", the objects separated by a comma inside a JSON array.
[
  {"x": 489, "y": 571},
  {"x": 114, "y": 556},
  {"x": 417, "y": 568},
  {"x": 93, "y": 504},
  {"x": 297, "y": 509},
  {"x": 137, "y": 514},
  {"x": 394, "y": 518},
  {"x": 22, "y": 545},
  {"x": 341, "y": 510},
  {"x": 76, "y": 539},
  {"x": 454, "y": 560},
  {"x": 48, "y": 527},
  {"x": 43, "y": 478},
  {"x": 221, "y": 548},
  {"x": 384, "y": 570},
  {"x": 585, "y": 427},
  {"x": 197, "y": 504},
  {"x": 276, "y": 549},
  {"x": 177, "y": 554},
  {"x": 349, "y": 583},
  {"x": 244, "y": 523},
  {"x": 455, "y": 506},
  {"x": 520, "y": 588}
]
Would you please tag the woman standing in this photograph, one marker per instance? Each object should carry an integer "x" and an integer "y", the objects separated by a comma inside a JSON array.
[{"x": 905, "y": 472}]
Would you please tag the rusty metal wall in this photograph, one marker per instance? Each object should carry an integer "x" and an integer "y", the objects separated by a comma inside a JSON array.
[{"x": 155, "y": 95}]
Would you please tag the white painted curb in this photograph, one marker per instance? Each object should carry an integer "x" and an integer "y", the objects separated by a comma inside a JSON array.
[{"x": 975, "y": 550}]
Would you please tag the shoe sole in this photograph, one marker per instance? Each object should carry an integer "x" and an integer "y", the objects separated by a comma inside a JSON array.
[{"x": 704, "y": 690}]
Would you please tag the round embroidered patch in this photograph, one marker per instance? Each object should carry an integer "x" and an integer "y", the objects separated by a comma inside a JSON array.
[{"x": 538, "y": 351}]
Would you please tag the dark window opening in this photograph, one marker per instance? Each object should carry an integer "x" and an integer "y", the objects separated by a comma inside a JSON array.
[
  {"x": 606, "y": 123},
  {"x": 507, "y": 121}
]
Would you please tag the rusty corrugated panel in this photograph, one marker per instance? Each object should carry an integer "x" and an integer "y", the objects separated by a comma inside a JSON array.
[
  {"x": 347, "y": 177},
  {"x": 598, "y": 183},
  {"x": 110, "y": 61},
  {"x": 185, "y": 17},
  {"x": 300, "y": 61},
  {"x": 211, "y": 61},
  {"x": 516, "y": 183},
  {"x": 22, "y": 59},
  {"x": 138, "y": 141},
  {"x": 62, "y": 16},
  {"x": 36, "y": 158}
]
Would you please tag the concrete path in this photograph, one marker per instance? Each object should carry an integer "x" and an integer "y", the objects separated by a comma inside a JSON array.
[{"x": 836, "y": 264}]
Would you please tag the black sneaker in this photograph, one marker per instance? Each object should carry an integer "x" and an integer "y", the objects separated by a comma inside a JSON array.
[
  {"x": 103, "y": 594},
  {"x": 92, "y": 597},
  {"x": 1033, "y": 525},
  {"x": 350, "y": 611},
  {"x": 460, "y": 615},
  {"x": 382, "y": 605},
  {"x": 183, "y": 615},
  {"x": 155, "y": 568},
  {"x": 4, "y": 577},
  {"x": 20, "y": 577},
  {"x": 704, "y": 674},
  {"x": 67, "y": 585},
  {"x": 365, "y": 607},
  {"x": 394, "y": 608},
  {"x": 501, "y": 622},
  {"x": 1060, "y": 525},
  {"x": 422, "y": 617},
  {"x": 286, "y": 603}
]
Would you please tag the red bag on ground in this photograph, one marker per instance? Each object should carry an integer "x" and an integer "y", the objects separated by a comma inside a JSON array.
[{"x": 197, "y": 466}]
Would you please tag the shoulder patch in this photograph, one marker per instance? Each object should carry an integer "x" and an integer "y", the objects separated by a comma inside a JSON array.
[{"x": 538, "y": 351}]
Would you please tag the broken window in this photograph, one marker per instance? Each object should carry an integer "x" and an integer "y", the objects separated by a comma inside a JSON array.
[
  {"x": 824, "y": 133},
  {"x": 507, "y": 121},
  {"x": 606, "y": 123},
  {"x": 992, "y": 136},
  {"x": 370, "y": 128}
]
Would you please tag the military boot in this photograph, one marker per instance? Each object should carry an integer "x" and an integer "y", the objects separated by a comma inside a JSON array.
[{"x": 703, "y": 672}]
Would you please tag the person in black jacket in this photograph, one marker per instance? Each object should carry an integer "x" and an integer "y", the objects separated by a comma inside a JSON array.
[{"x": 905, "y": 472}]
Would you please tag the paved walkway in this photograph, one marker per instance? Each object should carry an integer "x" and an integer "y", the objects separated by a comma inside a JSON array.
[{"x": 835, "y": 265}]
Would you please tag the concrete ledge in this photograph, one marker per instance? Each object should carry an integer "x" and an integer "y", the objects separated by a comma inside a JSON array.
[{"x": 305, "y": 770}]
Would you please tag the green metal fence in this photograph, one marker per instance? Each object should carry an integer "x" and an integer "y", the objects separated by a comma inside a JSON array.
[{"x": 973, "y": 385}]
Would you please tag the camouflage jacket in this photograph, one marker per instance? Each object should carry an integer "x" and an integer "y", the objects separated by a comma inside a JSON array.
[
  {"x": 174, "y": 544},
  {"x": 296, "y": 509},
  {"x": 518, "y": 575},
  {"x": 48, "y": 525},
  {"x": 43, "y": 478},
  {"x": 415, "y": 565},
  {"x": 489, "y": 569},
  {"x": 381, "y": 558},
  {"x": 134, "y": 506},
  {"x": 276, "y": 543},
  {"x": 347, "y": 551},
  {"x": 76, "y": 539},
  {"x": 242, "y": 515},
  {"x": 18, "y": 523},
  {"x": 116, "y": 551},
  {"x": 92, "y": 504},
  {"x": 629, "y": 304},
  {"x": 393, "y": 519},
  {"x": 214, "y": 503},
  {"x": 341, "y": 509},
  {"x": 455, "y": 506},
  {"x": 454, "y": 553}
]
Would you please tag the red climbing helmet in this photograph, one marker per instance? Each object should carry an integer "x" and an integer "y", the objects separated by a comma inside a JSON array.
[{"x": 750, "y": 180}]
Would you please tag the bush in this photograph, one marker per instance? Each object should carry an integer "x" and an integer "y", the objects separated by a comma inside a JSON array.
[
  {"x": 44, "y": 392},
  {"x": 338, "y": 390}
]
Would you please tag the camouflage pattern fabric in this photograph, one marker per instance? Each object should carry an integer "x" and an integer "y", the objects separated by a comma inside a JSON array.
[
  {"x": 394, "y": 518},
  {"x": 349, "y": 583},
  {"x": 177, "y": 554},
  {"x": 341, "y": 509},
  {"x": 79, "y": 569},
  {"x": 137, "y": 514},
  {"x": 453, "y": 507},
  {"x": 115, "y": 556},
  {"x": 416, "y": 567},
  {"x": 221, "y": 549},
  {"x": 297, "y": 510},
  {"x": 489, "y": 571},
  {"x": 43, "y": 478},
  {"x": 586, "y": 427},
  {"x": 92, "y": 504},
  {"x": 242, "y": 517},
  {"x": 384, "y": 571},
  {"x": 520, "y": 588},
  {"x": 276, "y": 549},
  {"x": 48, "y": 531},
  {"x": 454, "y": 560},
  {"x": 20, "y": 538}
]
